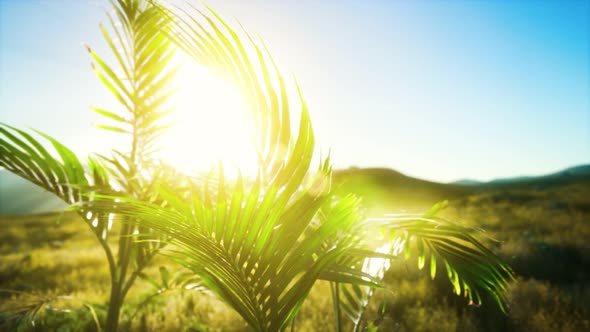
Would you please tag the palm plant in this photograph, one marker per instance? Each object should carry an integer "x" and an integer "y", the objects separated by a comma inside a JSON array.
[
  {"x": 261, "y": 247},
  {"x": 141, "y": 83},
  {"x": 260, "y": 244}
]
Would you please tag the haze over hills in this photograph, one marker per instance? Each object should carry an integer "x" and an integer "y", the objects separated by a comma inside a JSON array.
[{"x": 375, "y": 185}]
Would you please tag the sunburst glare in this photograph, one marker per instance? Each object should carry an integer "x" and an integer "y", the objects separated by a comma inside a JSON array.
[{"x": 211, "y": 124}]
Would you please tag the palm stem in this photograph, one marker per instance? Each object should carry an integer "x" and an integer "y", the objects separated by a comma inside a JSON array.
[
  {"x": 336, "y": 302},
  {"x": 121, "y": 285}
]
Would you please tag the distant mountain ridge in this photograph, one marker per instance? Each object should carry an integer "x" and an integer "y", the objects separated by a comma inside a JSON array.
[
  {"x": 467, "y": 182},
  {"x": 568, "y": 175},
  {"x": 18, "y": 196}
]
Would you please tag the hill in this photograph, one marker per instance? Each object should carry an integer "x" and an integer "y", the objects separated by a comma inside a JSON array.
[
  {"x": 386, "y": 187},
  {"x": 383, "y": 188}
]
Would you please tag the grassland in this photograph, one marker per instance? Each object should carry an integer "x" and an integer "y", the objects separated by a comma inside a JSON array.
[{"x": 542, "y": 231}]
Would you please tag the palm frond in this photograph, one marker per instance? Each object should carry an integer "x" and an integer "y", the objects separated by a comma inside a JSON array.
[
  {"x": 141, "y": 79},
  {"x": 212, "y": 42},
  {"x": 471, "y": 267},
  {"x": 25, "y": 156},
  {"x": 258, "y": 252},
  {"x": 59, "y": 172}
]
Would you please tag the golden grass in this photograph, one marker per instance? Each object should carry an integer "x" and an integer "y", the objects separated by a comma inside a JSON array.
[{"x": 541, "y": 233}]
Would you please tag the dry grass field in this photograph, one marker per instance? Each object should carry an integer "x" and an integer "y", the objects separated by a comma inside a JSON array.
[{"x": 52, "y": 262}]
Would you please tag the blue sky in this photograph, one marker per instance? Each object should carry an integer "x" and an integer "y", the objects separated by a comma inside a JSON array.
[{"x": 435, "y": 89}]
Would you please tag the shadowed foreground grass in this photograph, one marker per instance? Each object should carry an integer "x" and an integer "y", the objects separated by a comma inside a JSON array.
[{"x": 541, "y": 233}]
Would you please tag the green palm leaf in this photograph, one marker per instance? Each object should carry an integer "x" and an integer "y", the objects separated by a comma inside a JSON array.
[
  {"x": 63, "y": 175},
  {"x": 142, "y": 80},
  {"x": 472, "y": 269}
]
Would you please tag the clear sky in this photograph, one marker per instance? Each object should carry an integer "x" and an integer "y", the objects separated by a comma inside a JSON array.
[{"x": 440, "y": 90}]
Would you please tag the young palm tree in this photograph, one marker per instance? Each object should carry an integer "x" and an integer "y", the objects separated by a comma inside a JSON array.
[
  {"x": 259, "y": 245},
  {"x": 262, "y": 247}
]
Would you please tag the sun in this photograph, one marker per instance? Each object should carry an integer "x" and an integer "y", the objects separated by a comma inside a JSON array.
[{"x": 211, "y": 124}]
